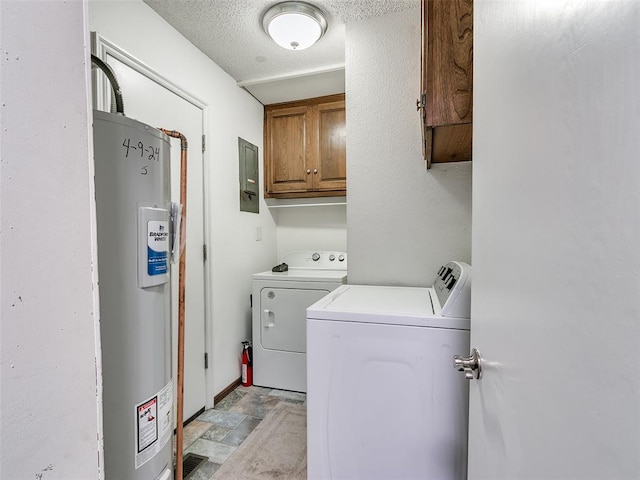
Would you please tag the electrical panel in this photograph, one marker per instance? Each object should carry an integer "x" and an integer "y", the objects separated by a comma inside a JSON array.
[{"x": 249, "y": 177}]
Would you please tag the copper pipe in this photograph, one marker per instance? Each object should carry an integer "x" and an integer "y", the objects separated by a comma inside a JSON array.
[{"x": 181, "y": 296}]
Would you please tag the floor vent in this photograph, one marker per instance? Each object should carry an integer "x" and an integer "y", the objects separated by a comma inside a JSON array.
[{"x": 190, "y": 464}]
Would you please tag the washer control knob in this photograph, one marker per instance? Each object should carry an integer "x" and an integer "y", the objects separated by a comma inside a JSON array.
[
  {"x": 341, "y": 258},
  {"x": 315, "y": 257},
  {"x": 332, "y": 257}
]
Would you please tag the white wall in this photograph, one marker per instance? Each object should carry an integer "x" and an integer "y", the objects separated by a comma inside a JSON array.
[
  {"x": 234, "y": 252},
  {"x": 403, "y": 221},
  {"x": 50, "y": 420},
  {"x": 311, "y": 228}
]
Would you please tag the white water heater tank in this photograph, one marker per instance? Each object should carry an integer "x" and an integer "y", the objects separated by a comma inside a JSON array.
[{"x": 132, "y": 179}]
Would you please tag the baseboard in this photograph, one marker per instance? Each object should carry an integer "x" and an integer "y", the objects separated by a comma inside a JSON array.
[
  {"x": 194, "y": 416},
  {"x": 190, "y": 419},
  {"x": 226, "y": 391}
]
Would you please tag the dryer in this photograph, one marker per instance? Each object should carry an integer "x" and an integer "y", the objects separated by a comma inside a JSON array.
[
  {"x": 383, "y": 400},
  {"x": 280, "y": 300}
]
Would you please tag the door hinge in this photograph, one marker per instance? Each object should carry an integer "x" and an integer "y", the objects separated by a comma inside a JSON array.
[
  {"x": 204, "y": 252},
  {"x": 204, "y": 143},
  {"x": 206, "y": 360}
]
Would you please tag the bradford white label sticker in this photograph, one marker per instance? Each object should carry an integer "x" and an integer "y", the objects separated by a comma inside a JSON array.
[
  {"x": 157, "y": 247},
  {"x": 153, "y": 425}
]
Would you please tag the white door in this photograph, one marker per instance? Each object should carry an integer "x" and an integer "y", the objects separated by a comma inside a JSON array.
[
  {"x": 556, "y": 240},
  {"x": 148, "y": 101},
  {"x": 283, "y": 322}
]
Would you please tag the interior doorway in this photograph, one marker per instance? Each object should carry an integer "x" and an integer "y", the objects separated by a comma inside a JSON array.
[{"x": 154, "y": 100}]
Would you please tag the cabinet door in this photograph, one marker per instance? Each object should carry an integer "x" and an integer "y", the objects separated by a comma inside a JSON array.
[
  {"x": 286, "y": 150},
  {"x": 447, "y": 80},
  {"x": 330, "y": 170},
  {"x": 450, "y": 62}
]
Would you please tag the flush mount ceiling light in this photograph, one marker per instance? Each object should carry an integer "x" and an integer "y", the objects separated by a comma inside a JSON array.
[{"x": 294, "y": 25}]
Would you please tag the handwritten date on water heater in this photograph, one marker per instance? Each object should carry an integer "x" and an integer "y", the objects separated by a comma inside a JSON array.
[{"x": 153, "y": 153}]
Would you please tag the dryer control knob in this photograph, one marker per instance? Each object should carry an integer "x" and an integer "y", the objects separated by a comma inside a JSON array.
[
  {"x": 341, "y": 258},
  {"x": 332, "y": 257},
  {"x": 315, "y": 257}
]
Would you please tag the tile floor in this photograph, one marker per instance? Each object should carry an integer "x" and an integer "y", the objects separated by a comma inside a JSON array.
[{"x": 217, "y": 432}]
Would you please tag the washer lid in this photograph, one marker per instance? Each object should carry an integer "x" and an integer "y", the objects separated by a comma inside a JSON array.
[
  {"x": 303, "y": 275},
  {"x": 384, "y": 305}
]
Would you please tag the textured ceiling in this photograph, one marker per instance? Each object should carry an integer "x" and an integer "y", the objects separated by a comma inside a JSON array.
[{"x": 230, "y": 33}]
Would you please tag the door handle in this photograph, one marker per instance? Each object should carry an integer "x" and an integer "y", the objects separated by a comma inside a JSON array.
[
  {"x": 471, "y": 365},
  {"x": 266, "y": 316}
]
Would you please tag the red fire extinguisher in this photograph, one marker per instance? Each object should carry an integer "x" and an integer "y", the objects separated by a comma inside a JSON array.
[{"x": 247, "y": 364}]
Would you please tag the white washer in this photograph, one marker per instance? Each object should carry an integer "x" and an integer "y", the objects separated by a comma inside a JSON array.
[
  {"x": 384, "y": 401},
  {"x": 280, "y": 300}
]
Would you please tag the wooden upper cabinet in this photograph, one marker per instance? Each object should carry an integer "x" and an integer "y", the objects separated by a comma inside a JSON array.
[
  {"x": 287, "y": 148},
  {"x": 446, "y": 101},
  {"x": 332, "y": 147},
  {"x": 305, "y": 148}
]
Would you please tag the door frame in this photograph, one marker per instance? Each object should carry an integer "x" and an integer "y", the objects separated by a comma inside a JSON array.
[{"x": 102, "y": 47}]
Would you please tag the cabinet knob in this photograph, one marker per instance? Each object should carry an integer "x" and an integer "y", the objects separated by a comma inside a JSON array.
[
  {"x": 308, "y": 171},
  {"x": 315, "y": 170}
]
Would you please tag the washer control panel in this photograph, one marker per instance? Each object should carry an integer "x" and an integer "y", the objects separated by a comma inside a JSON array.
[
  {"x": 316, "y": 259},
  {"x": 453, "y": 287}
]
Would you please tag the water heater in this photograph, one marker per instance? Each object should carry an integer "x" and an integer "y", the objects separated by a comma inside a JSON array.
[{"x": 132, "y": 178}]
